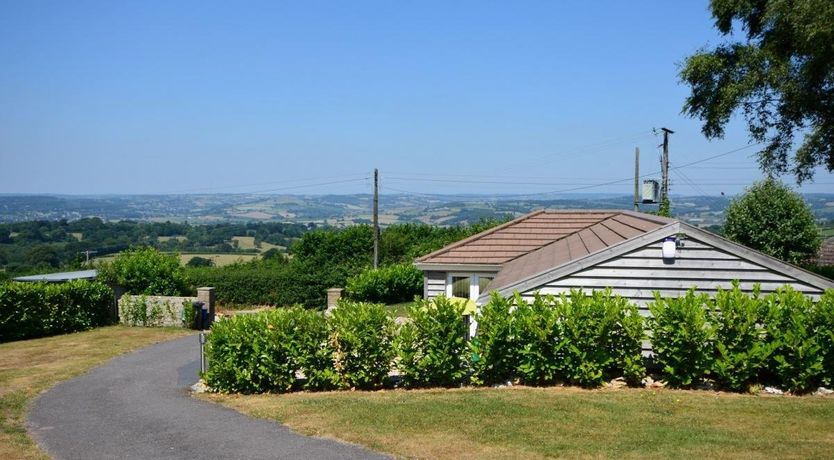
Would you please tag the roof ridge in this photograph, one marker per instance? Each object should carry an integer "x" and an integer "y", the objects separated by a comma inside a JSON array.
[
  {"x": 582, "y": 218},
  {"x": 566, "y": 236}
]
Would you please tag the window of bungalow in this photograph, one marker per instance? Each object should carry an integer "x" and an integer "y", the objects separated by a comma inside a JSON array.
[{"x": 467, "y": 286}]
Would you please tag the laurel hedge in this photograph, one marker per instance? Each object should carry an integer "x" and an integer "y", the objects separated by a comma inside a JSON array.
[
  {"x": 29, "y": 310},
  {"x": 734, "y": 340}
]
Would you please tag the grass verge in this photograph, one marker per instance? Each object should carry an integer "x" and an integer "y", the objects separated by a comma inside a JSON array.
[
  {"x": 28, "y": 367},
  {"x": 399, "y": 310},
  {"x": 535, "y": 423}
]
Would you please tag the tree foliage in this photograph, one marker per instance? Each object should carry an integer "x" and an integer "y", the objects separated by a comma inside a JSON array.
[
  {"x": 146, "y": 271},
  {"x": 781, "y": 79},
  {"x": 773, "y": 219},
  {"x": 198, "y": 261},
  {"x": 329, "y": 257}
]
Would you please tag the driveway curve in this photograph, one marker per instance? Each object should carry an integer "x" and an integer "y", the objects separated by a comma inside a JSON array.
[{"x": 138, "y": 406}]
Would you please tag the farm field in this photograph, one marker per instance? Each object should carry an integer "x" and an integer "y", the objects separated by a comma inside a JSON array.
[
  {"x": 219, "y": 260},
  {"x": 245, "y": 242},
  {"x": 28, "y": 367},
  {"x": 164, "y": 239},
  {"x": 524, "y": 422}
]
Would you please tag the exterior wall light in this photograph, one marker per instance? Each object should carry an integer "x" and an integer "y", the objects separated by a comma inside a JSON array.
[{"x": 669, "y": 248}]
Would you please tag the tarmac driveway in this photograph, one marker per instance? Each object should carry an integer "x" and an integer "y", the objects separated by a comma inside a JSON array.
[{"x": 138, "y": 406}]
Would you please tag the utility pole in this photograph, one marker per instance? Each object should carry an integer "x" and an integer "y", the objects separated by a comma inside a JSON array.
[
  {"x": 664, "y": 165},
  {"x": 87, "y": 253},
  {"x": 637, "y": 179},
  {"x": 376, "y": 218}
]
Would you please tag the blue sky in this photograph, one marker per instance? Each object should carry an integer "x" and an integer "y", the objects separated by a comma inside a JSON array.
[{"x": 309, "y": 97}]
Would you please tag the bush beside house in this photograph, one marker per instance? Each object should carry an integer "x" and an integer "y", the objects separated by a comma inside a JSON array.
[{"x": 392, "y": 284}]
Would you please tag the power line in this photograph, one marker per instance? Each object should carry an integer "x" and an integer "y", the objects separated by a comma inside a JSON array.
[
  {"x": 616, "y": 181},
  {"x": 689, "y": 182},
  {"x": 212, "y": 188},
  {"x": 716, "y": 156},
  {"x": 463, "y": 181},
  {"x": 473, "y": 176}
]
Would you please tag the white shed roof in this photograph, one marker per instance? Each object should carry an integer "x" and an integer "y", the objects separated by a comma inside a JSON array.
[{"x": 60, "y": 277}]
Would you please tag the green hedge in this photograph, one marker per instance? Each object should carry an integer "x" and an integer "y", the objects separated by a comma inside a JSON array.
[
  {"x": 252, "y": 353},
  {"x": 29, "y": 310},
  {"x": 393, "y": 284},
  {"x": 260, "y": 284},
  {"x": 578, "y": 339},
  {"x": 262, "y": 352},
  {"x": 681, "y": 337},
  {"x": 734, "y": 339},
  {"x": 362, "y": 336},
  {"x": 738, "y": 339},
  {"x": 432, "y": 347}
]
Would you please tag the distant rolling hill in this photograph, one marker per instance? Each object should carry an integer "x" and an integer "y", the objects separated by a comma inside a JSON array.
[{"x": 342, "y": 210}]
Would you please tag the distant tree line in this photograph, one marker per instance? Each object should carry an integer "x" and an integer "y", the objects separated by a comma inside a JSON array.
[
  {"x": 325, "y": 258},
  {"x": 33, "y": 246}
]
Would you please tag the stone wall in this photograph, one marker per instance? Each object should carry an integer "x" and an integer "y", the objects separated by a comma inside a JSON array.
[{"x": 158, "y": 310}]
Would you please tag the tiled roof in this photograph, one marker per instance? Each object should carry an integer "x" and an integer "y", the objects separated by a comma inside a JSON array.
[
  {"x": 546, "y": 236},
  {"x": 593, "y": 238},
  {"x": 826, "y": 254}
]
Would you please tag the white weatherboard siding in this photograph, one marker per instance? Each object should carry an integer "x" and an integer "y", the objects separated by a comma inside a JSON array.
[
  {"x": 434, "y": 284},
  {"x": 639, "y": 273}
]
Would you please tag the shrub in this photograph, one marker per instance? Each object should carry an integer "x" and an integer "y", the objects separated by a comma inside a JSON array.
[
  {"x": 577, "y": 338},
  {"x": 29, "y": 310},
  {"x": 188, "y": 314},
  {"x": 538, "y": 330},
  {"x": 740, "y": 348},
  {"x": 146, "y": 271},
  {"x": 362, "y": 336},
  {"x": 624, "y": 337},
  {"x": 797, "y": 360},
  {"x": 432, "y": 346},
  {"x": 681, "y": 337},
  {"x": 494, "y": 348},
  {"x": 311, "y": 349},
  {"x": 393, "y": 284},
  {"x": 823, "y": 320},
  {"x": 603, "y": 338},
  {"x": 251, "y": 353}
]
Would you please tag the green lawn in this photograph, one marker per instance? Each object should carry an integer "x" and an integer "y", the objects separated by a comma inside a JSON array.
[
  {"x": 534, "y": 423},
  {"x": 399, "y": 309},
  {"x": 28, "y": 367}
]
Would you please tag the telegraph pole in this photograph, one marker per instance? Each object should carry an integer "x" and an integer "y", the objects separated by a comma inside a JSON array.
[
  {"x": 376, "y": 218},
  {"x": 87, "y": 253},
  {"x": 664, "y": 165},
  {"x": 637, "y": 179}
]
